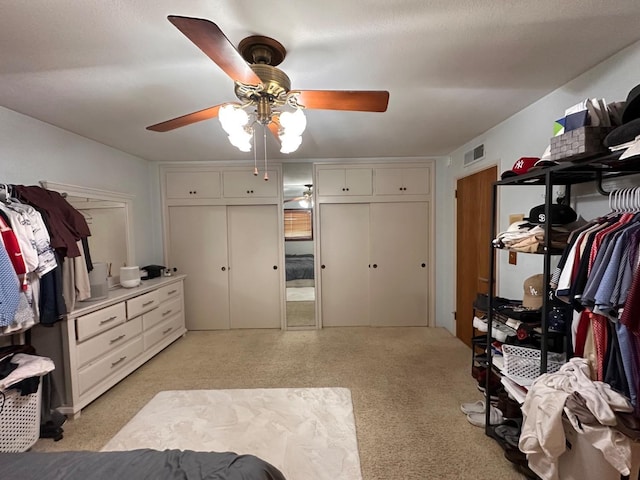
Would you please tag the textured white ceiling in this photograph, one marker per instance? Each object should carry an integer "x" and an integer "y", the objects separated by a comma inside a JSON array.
[{"x": 454, "y": 68}]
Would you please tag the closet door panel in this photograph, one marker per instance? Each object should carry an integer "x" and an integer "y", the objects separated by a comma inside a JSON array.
[
  {"x": 399, "y": 248},
  {"x": 254, "y": 283},
  {"x": 198, "y": 248},
  {"x": 344, "y": 245}
]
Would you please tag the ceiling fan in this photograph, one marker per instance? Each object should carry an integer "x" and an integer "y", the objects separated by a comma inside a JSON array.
[
  {"x": 306, "y": 198},
  {"x": 261, "y": 86}
]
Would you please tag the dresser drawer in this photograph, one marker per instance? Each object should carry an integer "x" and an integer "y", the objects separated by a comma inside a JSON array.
[
  {"x": 163, "y": 330},
  {"x": 138, "y": 305},
  {"x": 166, "y": 310},
  {"x": 170, "y": 291},
  {"x": 107, "y": 341},
  {"x": 89, "y": 325},
  {"x": 95, "y": 372}
]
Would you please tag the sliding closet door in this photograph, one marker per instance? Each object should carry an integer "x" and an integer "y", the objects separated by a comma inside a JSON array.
[
  {"x": 399, "y": 253},
  {"x": 344, "y": 259},
  {"x": 254, "y": 277},
  {"x": 198, "y": 248}
]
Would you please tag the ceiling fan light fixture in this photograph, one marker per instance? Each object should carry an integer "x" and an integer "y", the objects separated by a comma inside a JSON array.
[
  {"x": 241, "y": 139},
  {"x": 294, "y": 122},
  {"x": 290, "y": 143},
  {"x": 232, "y": 118}
]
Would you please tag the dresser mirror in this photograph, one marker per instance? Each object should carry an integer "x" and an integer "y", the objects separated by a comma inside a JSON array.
[
  {"x": 298, "y": 245},
  {"x": 108, "y": 215}
]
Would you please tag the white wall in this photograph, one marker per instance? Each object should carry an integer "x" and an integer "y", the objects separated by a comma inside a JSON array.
[
  {"x": 525, "y": 134},
  {"x": 31, "y": 150}
]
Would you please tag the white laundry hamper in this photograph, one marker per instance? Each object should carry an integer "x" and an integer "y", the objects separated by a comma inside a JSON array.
[{"x": 19, "y": 419}]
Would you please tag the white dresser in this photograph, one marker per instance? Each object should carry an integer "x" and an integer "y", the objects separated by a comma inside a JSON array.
[{"x": 101, "y": 342}]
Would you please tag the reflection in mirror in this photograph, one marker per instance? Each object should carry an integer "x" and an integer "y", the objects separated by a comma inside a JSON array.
[{"x": 298, "y": 245}]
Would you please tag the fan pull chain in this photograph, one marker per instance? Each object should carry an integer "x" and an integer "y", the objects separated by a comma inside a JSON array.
[
  {"x": 255, "y": 155},
  {"x": 264, "y": 135}
]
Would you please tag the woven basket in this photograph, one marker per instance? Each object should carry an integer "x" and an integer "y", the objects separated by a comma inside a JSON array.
[
  {"x": 19, "y": 420},
  {"x": 522, "y": 365}
]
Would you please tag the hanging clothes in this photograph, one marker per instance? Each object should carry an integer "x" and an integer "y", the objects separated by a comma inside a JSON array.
[
  {"x": 598, "y": 275},
  {"x": 65, "y": 224},
  {"x": 9, "y": 288}
]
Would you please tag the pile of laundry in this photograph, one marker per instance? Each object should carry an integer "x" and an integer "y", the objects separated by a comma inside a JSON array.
[{"x": 594, "y": 410}]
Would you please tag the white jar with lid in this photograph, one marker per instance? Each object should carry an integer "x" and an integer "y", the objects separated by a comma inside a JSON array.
[{"x": 130, "y": 276}]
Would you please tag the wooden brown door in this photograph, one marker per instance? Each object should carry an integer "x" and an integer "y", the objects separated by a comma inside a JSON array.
[{"x": 473, "y": 229}]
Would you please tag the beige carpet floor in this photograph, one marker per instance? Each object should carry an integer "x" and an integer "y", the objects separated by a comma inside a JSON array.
[{"x": 406, "y": 384}]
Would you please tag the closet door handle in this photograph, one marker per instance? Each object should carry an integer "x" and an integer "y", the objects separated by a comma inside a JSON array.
[
  {"x": 275, "y": 267},
  {"x": 375, "y": 265},
  {"x": 424, "y": 265},
  {"x": 322, "y": 267},
  {"x": 223, "y": 269}
]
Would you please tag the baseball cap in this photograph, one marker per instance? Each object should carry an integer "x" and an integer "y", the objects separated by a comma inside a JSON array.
[
  {"x": 533, "y": 292},
  {"x": 543, "y": 163},
  {"x": 632, "y": 105},
  {"x": 560, "y": 214},
  {"x": 522, "y": 166}
]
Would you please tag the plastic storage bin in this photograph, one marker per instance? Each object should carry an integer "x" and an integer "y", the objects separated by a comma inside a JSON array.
[
  {"x": 19, "y": 420},
  {"x": 522, "y": 365}
]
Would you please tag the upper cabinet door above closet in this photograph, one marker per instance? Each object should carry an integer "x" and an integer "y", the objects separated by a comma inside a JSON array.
[
  {"x": 204, "y": 184},
  {"x": 244, "y": 184},
  {"x": 402, "y": 181},
  {"x": 344, "y": 181}
]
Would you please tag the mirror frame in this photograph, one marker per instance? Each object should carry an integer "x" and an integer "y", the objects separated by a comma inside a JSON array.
[{"x": 104, "y": 195}]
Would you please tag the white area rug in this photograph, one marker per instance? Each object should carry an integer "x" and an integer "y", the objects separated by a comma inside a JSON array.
[
  {"x": 307, "y": 433},
  {"x": 301, "y": 294}
]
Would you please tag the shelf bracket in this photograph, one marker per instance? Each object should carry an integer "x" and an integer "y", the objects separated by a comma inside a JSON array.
[{"x": 601, "y": 190}]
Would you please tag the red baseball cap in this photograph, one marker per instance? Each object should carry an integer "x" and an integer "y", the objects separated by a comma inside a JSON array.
[{"x": 522, "y": 166}]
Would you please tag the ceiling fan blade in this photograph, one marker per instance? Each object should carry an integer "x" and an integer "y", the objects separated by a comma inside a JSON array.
[
  {"x": 209, "y": 38},
  {"x": 184, "y": 120},
  {"x": 296, "y": 199},
  {"x": 355, "y": 100}
]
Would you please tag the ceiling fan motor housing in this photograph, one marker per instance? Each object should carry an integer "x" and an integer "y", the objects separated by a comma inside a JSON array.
[{"x": 275, "y": 81}]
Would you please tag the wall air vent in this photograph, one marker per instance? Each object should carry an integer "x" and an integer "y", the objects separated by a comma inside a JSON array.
[{"x": 473, "y": 156}]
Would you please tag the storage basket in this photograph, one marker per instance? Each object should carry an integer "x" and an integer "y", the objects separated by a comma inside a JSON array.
[
  {"x": 522, "y": 364},
  {"x": 579, "y": 143},
  {"x": 19, "y": 420}
]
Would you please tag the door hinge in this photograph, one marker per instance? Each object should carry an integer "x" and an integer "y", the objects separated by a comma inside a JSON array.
[
  {"x": 455, "y": 315},
  {"x": 455, "y": 194}
]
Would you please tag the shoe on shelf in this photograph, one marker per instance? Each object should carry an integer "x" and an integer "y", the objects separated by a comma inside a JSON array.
[
  {"x": 472, "y": 407},
  {"x": 477, "y": 371},
  {"x": 508, "y": 406},
  {"x": 495, "y": 385},
  {"x": 479, "y": 419},
  {"x": 509, "y": 432},
  {"x": 480, "y": 324}
]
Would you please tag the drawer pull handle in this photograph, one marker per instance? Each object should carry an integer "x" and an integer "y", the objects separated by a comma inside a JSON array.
[
  {"x": 167, "y": 330},
  {"x": 117, "y": 338},
  {"x": 164, "y": 314},
  {"x": 122, "y": 359},
  {"x": 146, "y": 304},
  {"x": 107, "y": 320},
  {"x": 172, "y": 292}
]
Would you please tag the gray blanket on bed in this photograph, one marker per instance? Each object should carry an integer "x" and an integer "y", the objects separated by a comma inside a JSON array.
[{"x": 136, "y": 464}]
